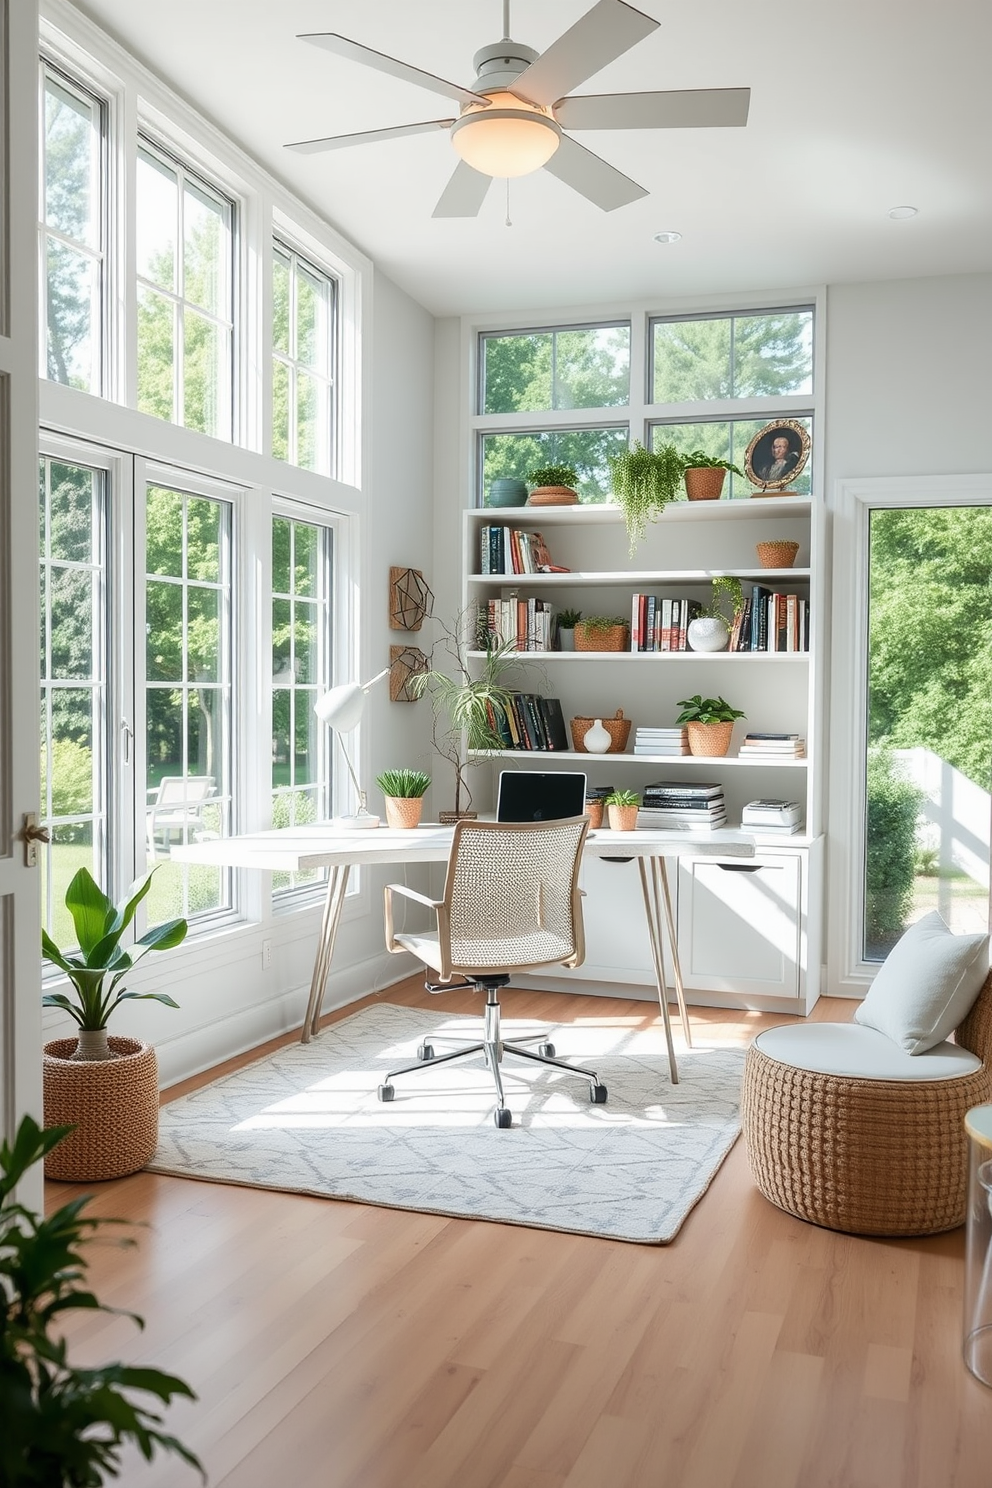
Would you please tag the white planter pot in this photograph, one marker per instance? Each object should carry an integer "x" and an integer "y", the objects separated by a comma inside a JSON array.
[{"x": 706, "y": 634}]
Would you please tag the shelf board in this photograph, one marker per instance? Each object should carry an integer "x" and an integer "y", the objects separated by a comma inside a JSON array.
[
  {"x": 707, "y": 760},
  {"x": 777, "y": 657},
  {"x": 616, "y": 578},
  {"x": 680, "y": 511}
]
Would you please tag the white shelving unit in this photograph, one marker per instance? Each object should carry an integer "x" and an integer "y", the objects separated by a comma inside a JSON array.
[{"x": 747, "y": 939}]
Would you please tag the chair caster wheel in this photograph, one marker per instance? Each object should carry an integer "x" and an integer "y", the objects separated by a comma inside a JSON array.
[
  {"x": 425, "y": 1051},
  {"x": 386, "y": 1092},
  {"x": 503, "y": 1117},
  {"x": 548, "y": 1050},
  {"x": 598, "y": 1094}
]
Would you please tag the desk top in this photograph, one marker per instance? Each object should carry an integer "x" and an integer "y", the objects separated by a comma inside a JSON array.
[{"x": 296, "y": 849}]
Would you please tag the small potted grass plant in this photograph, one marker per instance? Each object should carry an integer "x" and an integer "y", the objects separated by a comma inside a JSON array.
[
  {"x": 709, "y": 724},
  {"x": 105, "y": 1087},
  {"x": 404, "y": 791},
  {"x": 567, "y": 621},
  {"x": 621, "y": 807}
]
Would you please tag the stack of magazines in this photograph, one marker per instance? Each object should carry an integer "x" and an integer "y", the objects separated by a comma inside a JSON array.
[
  {"x": 661, "y": 741},
  {"x": 773, "y": 746},
  {"x": 679, "y": 804}
]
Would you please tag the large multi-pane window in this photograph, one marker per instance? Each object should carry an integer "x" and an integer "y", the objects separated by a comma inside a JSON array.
[
  {"x": 302, "y": 361},
  {"x": 188, "y": 669},
  {"x": 73, "y": 232},
  {"x": 74, "y": 674},
  {"x": 185, "y": 273},
  {"x": 301, "y": 569}
]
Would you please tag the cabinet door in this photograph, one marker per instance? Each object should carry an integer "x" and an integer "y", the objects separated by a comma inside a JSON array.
[
  {"x": 739, "y": 924},
  {"x": 617, "y": 945}
]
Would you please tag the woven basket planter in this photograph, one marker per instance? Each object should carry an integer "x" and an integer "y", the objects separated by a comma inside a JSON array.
[
  {"x": 112, "y": 1103},
  {"x": 777, "y": 554},
  {"x": 702, "y": 484},
  {"x": 404, "y": 811},
  {"x": 617, "y": 727},
  {"x": 622, "y": 818},
  {"x": 712, "y": 739},
  {"x": 552, "y": 496},
  {"x": 600, "y": 638}
]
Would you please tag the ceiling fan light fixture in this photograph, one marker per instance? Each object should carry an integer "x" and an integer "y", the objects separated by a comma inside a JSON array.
[{"x": 510, "y": 140}]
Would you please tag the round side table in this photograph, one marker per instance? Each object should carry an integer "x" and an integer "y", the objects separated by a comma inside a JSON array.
[{"x": 978, "y": 1254}]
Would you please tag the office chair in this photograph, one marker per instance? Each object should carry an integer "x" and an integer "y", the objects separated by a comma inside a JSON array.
[{"x": 511, "y": 903}]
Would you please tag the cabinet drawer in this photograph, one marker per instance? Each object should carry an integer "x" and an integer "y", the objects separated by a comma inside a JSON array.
[{"x": 740, "y": 924}]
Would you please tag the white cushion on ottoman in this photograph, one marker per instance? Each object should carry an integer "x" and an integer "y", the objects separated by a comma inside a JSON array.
[
  {"x": 927, "y": 985},
  {"x": 860, "y": 1053}
]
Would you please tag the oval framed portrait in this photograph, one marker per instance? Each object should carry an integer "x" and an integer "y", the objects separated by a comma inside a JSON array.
[{"x": 776, "y": 455}]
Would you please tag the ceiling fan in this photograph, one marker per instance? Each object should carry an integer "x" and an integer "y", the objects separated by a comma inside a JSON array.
[{"x": 513, "y": 117}]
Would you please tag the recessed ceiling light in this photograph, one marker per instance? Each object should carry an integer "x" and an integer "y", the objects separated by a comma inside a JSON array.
[
  {"x": 898, "y": 212},
  {"x": 667, "y": 237}
]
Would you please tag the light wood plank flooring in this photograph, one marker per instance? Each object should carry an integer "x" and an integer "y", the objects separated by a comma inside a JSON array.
[{"x": 337, "y": 1345}]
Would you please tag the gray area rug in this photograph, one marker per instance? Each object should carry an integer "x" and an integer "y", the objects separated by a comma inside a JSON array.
[{"x": 307, "y": 1119}]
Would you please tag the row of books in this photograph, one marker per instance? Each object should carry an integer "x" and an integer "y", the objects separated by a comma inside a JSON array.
[
  {"x": 658, "y": 624},
  {"x": 769, "y": 621},
  {"x": 507, "y": 550},
  {"x": 531, "y": 722},
  {"x": 700, "y": 805},
  {"x": 527, "y": 624},
  {"x": 648, "y": 740},
  {"x": 773, "y": 746}
]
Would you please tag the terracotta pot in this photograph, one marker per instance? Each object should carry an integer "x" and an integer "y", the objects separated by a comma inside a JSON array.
[
  {"x": 704, "y": 484},
  {"x": 112, "y": 1103},
  {"x": 622, "y": 818},
  {"x": 711, "y": 739},
  {"x": 404, "y": 811},
  {"x": 594, "y": 811}
]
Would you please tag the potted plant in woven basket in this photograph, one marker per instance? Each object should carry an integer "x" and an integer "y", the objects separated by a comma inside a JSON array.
[
  {"x": 621, "y": 808},
  {"x": 709, "y": 724},
  {"x": 601, "y": 633},
  {"x": 704, "y": 476},
  {"x": 105, "y": 1087},
  {"x": 553, "y": 485},
  {"x": 404, "y": 791}
]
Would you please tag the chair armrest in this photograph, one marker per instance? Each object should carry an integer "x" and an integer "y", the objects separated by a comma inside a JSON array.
[{"x": 388, "y": 892}]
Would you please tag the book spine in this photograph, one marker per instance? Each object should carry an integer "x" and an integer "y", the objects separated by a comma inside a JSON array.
[
  {"x": 666, "y": 625},
  {"x": 652, "y": 604},
  {"x": 635, "y": 622}
]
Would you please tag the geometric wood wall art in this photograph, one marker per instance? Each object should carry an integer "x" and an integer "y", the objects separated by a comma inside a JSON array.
[
  {"x": 404, "y": 664},
  {"x": 410, "y": 599}
]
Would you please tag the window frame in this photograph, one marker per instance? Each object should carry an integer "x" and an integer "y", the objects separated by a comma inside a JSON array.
[{"x": 327, "y": 457}]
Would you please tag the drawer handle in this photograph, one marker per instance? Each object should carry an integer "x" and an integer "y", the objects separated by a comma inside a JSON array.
[{"x": 745, "y": 867}]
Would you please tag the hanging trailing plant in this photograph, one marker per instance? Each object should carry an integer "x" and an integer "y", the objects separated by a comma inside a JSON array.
[{"x": 644, "y": 482}]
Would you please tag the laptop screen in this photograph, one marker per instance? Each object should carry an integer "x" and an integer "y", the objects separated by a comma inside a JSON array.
[{"x": 540, "y": 795}]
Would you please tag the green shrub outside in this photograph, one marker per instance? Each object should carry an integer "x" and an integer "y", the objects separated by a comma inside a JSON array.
[
  {"x": 72, "y": 784},
  {"x": 894, "y": 803}
]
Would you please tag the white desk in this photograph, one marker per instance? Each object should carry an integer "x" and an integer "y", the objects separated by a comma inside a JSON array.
[{"x": 299, "y": 849}]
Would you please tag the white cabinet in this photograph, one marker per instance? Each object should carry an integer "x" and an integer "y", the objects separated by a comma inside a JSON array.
[{"x": 747, "y": 939}]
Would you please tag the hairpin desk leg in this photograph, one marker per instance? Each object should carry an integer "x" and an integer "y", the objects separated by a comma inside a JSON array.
[
  {"x": 661, "y": 871},
  {"x": 649, "y": 888},
  {"x": 337, "y": 884}
]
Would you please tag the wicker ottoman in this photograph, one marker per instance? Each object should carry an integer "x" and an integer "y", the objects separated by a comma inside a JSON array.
[{"x": 847, "y": 1131}]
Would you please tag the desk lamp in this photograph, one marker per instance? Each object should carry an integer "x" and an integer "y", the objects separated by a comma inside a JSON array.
[{"x": 341, "y": 708}]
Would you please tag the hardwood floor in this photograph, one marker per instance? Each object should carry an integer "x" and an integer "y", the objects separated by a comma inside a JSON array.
[{"x": 337, "y": 1345}]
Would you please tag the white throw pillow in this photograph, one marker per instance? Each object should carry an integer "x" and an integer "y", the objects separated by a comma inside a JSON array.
[{"x": 926, "y": 986}]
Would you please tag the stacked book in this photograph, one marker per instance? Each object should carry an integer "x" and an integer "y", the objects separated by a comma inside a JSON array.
[
  {"x": 505, "y": 550},
  {"x": 530, "y": 722},
  {"x": 661, "y": 740},
  {"x": 523, "y": 624},
  {"x": 769, "y": 621},
  {"x": 772, "y": 816},
  {"x": 676, "y": 804},
  {"x": 658, "y": 624},
  {"x": 773, "y": 746}
]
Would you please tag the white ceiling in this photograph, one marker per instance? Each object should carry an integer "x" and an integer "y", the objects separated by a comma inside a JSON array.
[{"x": 857, "y": 106}]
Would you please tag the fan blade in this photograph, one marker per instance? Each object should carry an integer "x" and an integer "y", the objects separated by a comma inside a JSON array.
[
  {"x": 696, "y": 108},
  {"x": 354, "y": 50},
  {"x": 464, "y": 193},
  {"x": 366, "y": 136},
  {"x": 603, "y": 33},
  {"x": 592, "y": 177}
]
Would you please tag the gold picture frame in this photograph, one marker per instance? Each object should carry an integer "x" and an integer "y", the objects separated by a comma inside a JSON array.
[{"x": 776, "y": 456}]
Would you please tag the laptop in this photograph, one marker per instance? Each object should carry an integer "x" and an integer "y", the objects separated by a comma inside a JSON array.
[{"x": 540, "y": 795}]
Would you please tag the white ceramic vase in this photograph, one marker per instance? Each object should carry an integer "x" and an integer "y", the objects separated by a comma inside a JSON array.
[
  {"x": 596, "y": 740},
  {"x": 707, "y": 634}
]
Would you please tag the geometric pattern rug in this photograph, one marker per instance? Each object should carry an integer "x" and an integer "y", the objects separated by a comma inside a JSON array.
[{"x": 307, "y": 1119}]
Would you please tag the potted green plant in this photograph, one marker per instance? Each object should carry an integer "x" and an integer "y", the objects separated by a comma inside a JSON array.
[
  {"x": 621, "y": 807},
  {"x": 469, "y": 707},
  {"x": 644, "y": 482},
  {"x": 709, "y": 724},
  {"x": 704, "y": 475},
  {"x": 553, "y": 485},
  {"x": 62, "y": 1425},
  {"x": 567, "y": 621},
  {"x": 601, "y": 633},
  {"x": 404, "y": 792},
  {"x": 105, "y": 1087},
  {"x": 710, "y": 630}
]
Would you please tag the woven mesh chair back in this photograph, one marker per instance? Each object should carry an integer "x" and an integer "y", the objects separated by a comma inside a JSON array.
[
  {"x": 975, "y": 1032},
  {"x": 512, "y": 893}
]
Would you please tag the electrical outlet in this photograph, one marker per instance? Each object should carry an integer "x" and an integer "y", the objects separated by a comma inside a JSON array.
[{"x": 266, "y": 954}]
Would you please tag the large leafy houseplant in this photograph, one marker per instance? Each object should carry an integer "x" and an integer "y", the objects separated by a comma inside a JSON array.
[
  {"x": 100, "y": 964},
  {"x": 61, "y": 1426},
  {"x": 644, "y": 482}
]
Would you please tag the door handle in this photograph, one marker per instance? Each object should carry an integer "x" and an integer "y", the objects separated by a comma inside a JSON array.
[{"x": 31, "y": 834}]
